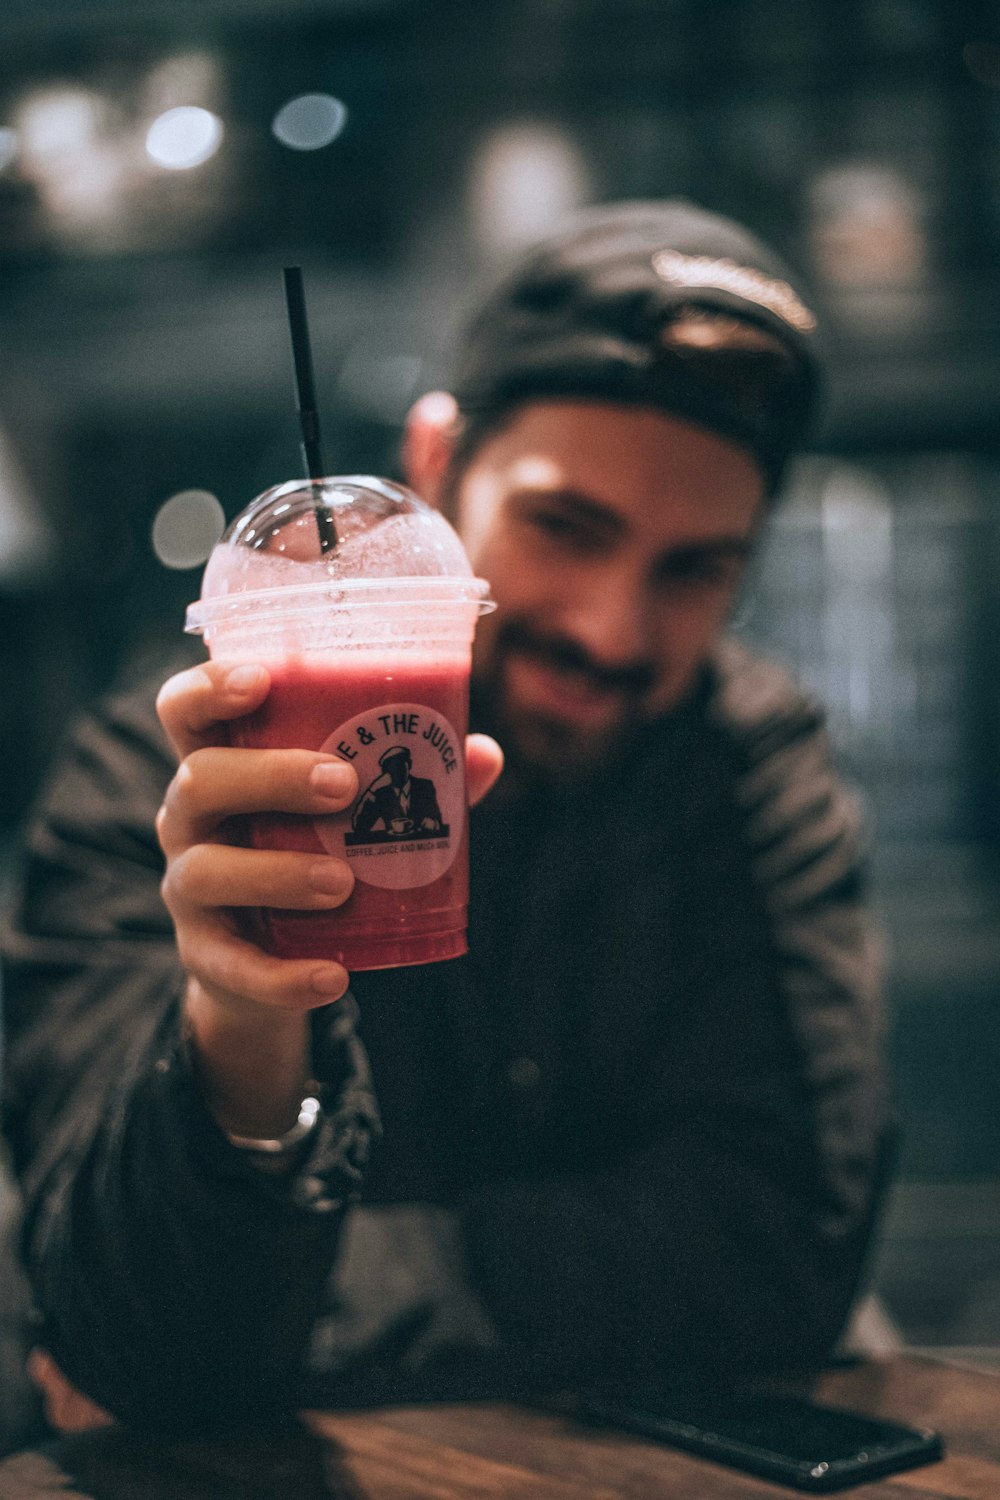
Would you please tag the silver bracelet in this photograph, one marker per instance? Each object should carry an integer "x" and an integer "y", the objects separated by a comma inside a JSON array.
[{"x": 309, "y": 1113}]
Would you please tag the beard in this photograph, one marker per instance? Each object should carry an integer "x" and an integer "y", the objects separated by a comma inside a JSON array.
[{"x": 552, "y": 744}]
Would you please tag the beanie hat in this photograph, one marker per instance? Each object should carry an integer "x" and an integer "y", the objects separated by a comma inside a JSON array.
[{"x": 585, "y": 314}]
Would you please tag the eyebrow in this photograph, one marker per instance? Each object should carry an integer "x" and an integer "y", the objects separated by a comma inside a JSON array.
[{"x": 584, "y": 507}]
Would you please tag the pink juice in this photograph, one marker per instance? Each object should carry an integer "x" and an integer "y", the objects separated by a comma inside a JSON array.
[{"x": 400, "y": 720}]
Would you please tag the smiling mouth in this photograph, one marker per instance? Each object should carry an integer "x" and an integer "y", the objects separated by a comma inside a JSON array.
[{"x": 570, "y": 695}]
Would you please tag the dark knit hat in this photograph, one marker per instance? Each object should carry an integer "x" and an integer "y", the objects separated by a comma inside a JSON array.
[{"x": 585, "y": 312}]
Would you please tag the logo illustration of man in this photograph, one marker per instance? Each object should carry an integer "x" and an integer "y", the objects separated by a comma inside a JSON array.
[{"x": 397, "y": 804}]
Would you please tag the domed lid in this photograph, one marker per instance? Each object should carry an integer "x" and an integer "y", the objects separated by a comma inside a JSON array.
[{"x": 337, "y": 536}]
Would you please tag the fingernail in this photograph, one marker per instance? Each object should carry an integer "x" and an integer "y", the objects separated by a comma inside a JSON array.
[
  {"x": 331, "y": 778},
  {"x": 329, "y": 981},
  {"x": 329, "y": 877},
  {"x": 245, "y": 679}
]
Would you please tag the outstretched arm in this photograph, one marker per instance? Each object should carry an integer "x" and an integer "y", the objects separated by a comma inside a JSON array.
[
  {"x": 177, "y": 1278},
  {"x": 176, "y": 1281}
]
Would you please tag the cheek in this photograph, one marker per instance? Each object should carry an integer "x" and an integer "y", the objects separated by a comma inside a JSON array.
[
  {"x": 516, "y": 581},
  {"x": 687, "y": 629}
]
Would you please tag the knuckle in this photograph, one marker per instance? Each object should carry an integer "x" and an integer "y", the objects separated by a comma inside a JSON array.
[
  {"x": 185, "y": 791},
  {"x": 180, "y": 789},
  {"x": 182, "y": 685},
  {"x": 192, "y": 879},
  {"x": 178, "y": 874},
  {"x": 165, "y": 696},
  {"x": 172, "y": 887}
]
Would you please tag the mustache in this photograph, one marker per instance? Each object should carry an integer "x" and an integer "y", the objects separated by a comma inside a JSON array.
[{"x": 567, "y": 655}]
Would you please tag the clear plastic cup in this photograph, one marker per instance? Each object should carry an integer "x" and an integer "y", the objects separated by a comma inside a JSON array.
[{"x": 360, "y": 601}]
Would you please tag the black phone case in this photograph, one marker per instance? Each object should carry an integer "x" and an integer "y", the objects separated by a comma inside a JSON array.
[{"x": 830, "y": 1449}]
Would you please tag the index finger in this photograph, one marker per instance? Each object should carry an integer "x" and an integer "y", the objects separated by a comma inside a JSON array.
[{"x": 193, "y": 704}]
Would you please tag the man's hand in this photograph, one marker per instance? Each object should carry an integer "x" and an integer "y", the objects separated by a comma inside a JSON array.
[
  {"x": 247, "y": 1011},
  {"x": 207, "y": 877}
]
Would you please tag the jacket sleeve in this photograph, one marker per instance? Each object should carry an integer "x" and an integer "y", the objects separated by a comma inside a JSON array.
[
  {"x": 175, "y": 1281},
  {"x": 728, "y": 1243}
]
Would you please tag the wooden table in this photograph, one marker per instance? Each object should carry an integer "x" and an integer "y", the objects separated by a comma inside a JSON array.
[{"x": 497, "y": 1452}]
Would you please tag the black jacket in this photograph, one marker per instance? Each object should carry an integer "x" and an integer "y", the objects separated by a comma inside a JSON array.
[{"x": 636, "y": 1131}]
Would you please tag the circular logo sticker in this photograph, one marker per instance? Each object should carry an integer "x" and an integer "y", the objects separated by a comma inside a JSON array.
[{"x": 405, "y": 827}]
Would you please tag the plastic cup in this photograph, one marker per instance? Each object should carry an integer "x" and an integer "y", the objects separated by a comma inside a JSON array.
[{"x": 360, "y": 601}]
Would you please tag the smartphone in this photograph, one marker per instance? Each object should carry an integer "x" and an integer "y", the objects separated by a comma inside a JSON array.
[{"x": 785, "y": 1438}]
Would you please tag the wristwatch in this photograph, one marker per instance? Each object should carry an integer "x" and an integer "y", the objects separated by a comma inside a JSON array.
[{"x": 281, "y": 1145}]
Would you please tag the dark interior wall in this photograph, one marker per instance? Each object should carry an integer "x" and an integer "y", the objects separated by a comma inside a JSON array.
[{"x": 146, "y": 352}]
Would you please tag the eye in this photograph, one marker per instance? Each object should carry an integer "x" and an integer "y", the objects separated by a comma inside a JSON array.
[
  {"x": 568, "y": 531},
  {"x": 701, "y": 569}
]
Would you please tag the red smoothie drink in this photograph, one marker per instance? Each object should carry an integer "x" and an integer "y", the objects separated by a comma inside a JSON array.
[
  {"x": 360, "y": 601},
  {"x": 401, "y": 722}
]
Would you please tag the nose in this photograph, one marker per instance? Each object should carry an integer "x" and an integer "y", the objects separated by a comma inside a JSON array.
[{"x": 610, "y": 619}]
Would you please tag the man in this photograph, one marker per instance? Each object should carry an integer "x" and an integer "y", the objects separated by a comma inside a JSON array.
[
  {"x": 397, "y": 803},
  {"x": 637, "y": 1133}
]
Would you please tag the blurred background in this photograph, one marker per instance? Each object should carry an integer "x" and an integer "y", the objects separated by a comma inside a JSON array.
[{"x": 160, "y": 163}]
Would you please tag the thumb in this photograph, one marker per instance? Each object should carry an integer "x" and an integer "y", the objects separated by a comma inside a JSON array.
[{"x": 483, "y": 764}]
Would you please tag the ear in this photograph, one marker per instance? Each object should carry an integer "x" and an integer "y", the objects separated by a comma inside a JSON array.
[{"x": 428, "y": 443}]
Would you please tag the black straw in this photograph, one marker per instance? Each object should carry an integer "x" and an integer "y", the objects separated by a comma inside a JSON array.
[{"x": 305, "y": 391}]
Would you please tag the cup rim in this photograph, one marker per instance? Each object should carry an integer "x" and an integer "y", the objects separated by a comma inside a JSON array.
[{"x": 297, "y": 599}]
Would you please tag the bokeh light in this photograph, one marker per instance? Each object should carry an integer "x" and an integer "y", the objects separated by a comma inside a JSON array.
[
  {"x": 184, "y": 137},
  {"x": 59, "y": 122},
  {"x": 183, "y": 78},
  {"x": 68, "y": 149},
  {"x": 186, "y": 528},
  {"x": 8, "y": 145},
  {"x": 867, "y": 226},
  {"x": 525, "y": 177},
  {"x": 26, "y": 544},
  {"x": 309, "y": 121}
]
